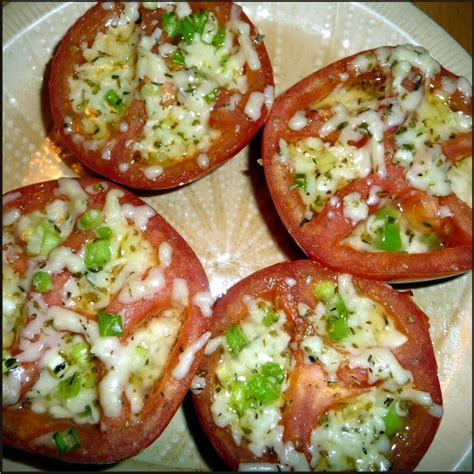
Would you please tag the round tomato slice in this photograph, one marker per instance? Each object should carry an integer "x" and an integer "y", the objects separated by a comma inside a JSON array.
[
  {"x": 156, "y": 98},
  {"x": 357, "y": 158},
  {"x": 308, "y": 369},
  {"x": 106, "y": 313}
]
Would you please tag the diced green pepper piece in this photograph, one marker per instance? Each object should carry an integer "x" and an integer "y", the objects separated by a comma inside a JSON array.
[
  {"x": 70, "y": 387},
  {"x": 91, "y": 219},
  {"x": 393, "y": 421},
  {"x": 235, "y": 338},
  {"x": 390, "y": 239},
  {"x": 66, "y": 440},
  {"x": 337, "y": 328},
  {"x": 219, "y": 39},
  {"x": 324, "y": 290},
  {"x": 97, "y": 254},
  {"x": 41, "y": 282},
  {"x": 110, "y": 324}
]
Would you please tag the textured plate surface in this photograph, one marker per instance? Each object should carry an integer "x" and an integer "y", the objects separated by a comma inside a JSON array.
[{"x": 228, "y": 217}]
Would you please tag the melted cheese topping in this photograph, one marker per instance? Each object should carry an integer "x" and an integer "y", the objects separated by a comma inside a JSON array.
[
  {"x": 66, "y": 343},
  {"x": 178, "y": 83},
  {"x": 422, "y": 116}
]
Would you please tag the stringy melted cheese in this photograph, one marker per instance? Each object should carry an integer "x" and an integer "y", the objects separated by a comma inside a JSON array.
[{"x": 51, "y": 335}]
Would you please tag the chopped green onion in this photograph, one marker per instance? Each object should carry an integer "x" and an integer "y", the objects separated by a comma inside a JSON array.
[
  {"x": 70, "y": 387},
  {"x": 80, "y": 353},
  {"x": 9, "y": 362},
  {"x": 177, "y": 57},
  {"x": 387, "y": 212},
  {"x": 51, "y": 240},
  {"x": 104, "y": 232},
  {"x": 187, "y": 29},
  {"x": 390, "y": 239},
  {"x": 150, "y": 5},
  {"x": 91, "y": 219},
  {"x": 265, "y": 386},
  {"x": 41, "y": 282},
  {"x": 393, "y": 421},
  {"x": 238, "y": 397},
  {"x": 270, "y": 316},
  {"x": 66, "y": 440},
  {"x": 324, "y": 290},
  {"x": 113, "y": 99},
  {"x": 212, "y": 96},
  {"x": 235, "y": 338},
  {"x": 87, "y": 412},
  {"x": 219, "y": 39},
  {"x": 199, "y": 19},
  {"x": 170, "y": 24},
  {"x": 93, "y": 85},
  {"x": 97, "y": 254},
  {"x": 110, "y": 324},
  {"x": 336, "y": 324}
]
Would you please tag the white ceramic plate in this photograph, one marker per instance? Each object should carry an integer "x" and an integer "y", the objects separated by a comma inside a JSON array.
[{"x": 228, "y": 217}]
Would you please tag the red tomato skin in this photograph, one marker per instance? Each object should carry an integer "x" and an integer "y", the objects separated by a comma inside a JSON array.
[
  {"x": 308, "y": 400},
  {"x": 225, "y": 147},
  {"x": 114, "y": 439},
  {"x": 320, "y": 238}
]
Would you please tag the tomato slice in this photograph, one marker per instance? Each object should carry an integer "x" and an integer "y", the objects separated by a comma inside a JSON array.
[
  {"x": 140, "y": 102},
  {"x": 365, "y": 133},
  {"x": 106, "y": 343},
  {"x": 326, "y": 388}
]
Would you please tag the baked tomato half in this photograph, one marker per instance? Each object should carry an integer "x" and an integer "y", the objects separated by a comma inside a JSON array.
[
  {"x": 366, "y": 163},
  {"x": 106, "y": 311},
  {"x": 154, "y": 95},
  {"x": 308, "y": 369}
]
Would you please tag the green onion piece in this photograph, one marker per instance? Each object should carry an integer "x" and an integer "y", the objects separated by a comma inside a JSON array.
[
  {"x": 91, "y": 219},
  {"x": 110, "y": 324},
  {"x": 170, "y": 24},
  {"x": 198, "y": 20},
  {"x": 432, "y": 241},
  {"x": 390, "y": 239},
  {"x": 104, "y": 232},
  {"x": 9, "y": 362},
  {"x": 150, "y": 5},
  {"x": 97, "y": 254},
  {"x": 387, "y": 212},
  {"x": 266, "y": 385},
  {"x": 212, "y": 96},
  {"x": 79, "y": 353},
  {"x": 187, "y": 29},
  {"x": 87, "y": 412},
  {"x": 270, "y": 316},
  {"x": 178, "y": 58},
  {"x": 219, "y": 39},
  {"x": 113, "y": 99},
  {"x": 393, "y": 421},
  {"x": 324, "y": 290},
  {"x": 41, "y": 282},
  {"x": 93, "y": 85},
  {"x": 235, "y": 338},
  {"x": 70, "y": 387},
  {"x": 337, "y": 328},
  {"x": 238, "y": 397},
  {"x": 66, "y": 440}
]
